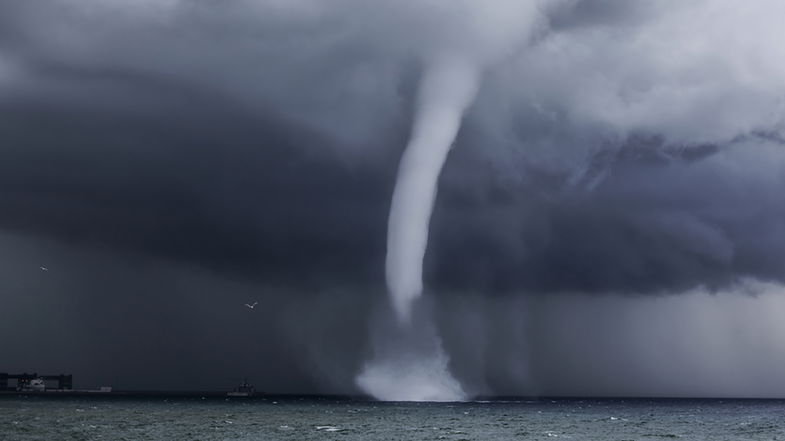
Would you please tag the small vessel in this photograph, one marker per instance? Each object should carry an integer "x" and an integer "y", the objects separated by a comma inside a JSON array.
[{"x": 243, "y": 390}]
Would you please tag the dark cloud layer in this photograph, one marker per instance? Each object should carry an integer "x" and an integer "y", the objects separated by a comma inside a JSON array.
[
  {"x": 239, "y": 193},
  {"x": 656, "y": 223},
  {"x": 172, "y": 153}
]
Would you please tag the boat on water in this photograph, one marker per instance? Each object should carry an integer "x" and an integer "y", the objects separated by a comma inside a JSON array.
[{"x": 243, "y": 390}]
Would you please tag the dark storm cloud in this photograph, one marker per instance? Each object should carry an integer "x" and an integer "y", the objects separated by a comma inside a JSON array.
[
  {"x": 655, "y": 223},
  {"x": 249, "y": 150},
  {"x": 217, "y": 186},
  {"x": 218, "y": 137}
]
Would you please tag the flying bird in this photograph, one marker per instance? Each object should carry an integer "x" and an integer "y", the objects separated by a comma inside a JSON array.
[
  {"x": 252, "y": 306},
  {"x": 43, "y": 268}
]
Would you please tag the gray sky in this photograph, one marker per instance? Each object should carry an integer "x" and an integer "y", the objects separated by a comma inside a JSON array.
[{"x": 172, "y": 160}]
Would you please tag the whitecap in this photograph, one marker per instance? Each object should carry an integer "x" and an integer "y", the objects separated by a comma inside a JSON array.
[{"x": 328, "y": 428}]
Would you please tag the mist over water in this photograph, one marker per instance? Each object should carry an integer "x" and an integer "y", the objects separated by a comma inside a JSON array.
[{"x": 409, "y": 364}]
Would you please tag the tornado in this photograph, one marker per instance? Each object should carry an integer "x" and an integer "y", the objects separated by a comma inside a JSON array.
[{"x": 447, "y": 89}]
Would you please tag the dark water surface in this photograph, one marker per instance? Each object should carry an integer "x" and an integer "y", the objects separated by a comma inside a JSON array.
[{"x": 161, "y": 418}]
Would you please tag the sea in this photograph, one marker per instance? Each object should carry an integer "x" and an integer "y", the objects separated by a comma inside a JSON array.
[{"x": 328, "y": 418}]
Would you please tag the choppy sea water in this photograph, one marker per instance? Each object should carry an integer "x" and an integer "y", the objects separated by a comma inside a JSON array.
[{"x": 160, "y": 418}]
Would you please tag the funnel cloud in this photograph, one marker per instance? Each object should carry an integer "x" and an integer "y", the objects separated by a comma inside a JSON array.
[{"x": 447, "y": 89}]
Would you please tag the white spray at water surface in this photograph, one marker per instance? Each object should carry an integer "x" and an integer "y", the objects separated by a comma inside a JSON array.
[{"x": 409, "y": 363}]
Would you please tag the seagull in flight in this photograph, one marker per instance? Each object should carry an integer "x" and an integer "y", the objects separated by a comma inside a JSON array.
[
  {"x": 43, "y": 268},
  {"x": 252, "y": 306}
]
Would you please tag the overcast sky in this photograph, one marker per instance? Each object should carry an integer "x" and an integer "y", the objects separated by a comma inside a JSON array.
[{"x": 610, "y": 220}]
